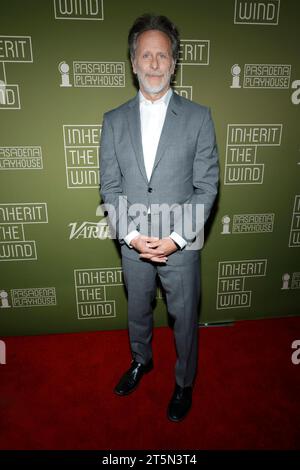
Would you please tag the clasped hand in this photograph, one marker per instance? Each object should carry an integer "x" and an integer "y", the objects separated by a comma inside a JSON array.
[{"x": 153, "y": 248}]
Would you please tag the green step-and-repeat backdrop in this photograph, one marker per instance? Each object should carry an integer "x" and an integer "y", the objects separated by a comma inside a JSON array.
[{"x": 63, "y": 63}]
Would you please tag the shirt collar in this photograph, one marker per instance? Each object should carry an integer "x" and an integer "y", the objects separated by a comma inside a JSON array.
[{"x": 164, "y": 99}]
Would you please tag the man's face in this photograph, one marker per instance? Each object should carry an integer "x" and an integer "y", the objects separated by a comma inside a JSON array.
[{"x": 153, "y": 62}]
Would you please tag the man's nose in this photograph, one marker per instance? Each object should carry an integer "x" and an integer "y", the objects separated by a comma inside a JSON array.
[{"x": 154, "y": 63}]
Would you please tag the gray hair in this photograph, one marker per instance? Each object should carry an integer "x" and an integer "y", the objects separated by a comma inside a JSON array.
[{"x": 149, "y": 22}]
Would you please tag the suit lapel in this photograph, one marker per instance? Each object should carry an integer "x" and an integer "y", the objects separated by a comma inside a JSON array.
[
  {"x": 168, "y": 134},
  {"x": 134, "y": 122}
]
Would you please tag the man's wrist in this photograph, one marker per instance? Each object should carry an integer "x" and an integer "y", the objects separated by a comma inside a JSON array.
[
  {"x": 132, "y": 243},
  {"x": 175, "y": 243},
  {"x": 130, "y": 237},
  {"x": 180, "y": 242}
]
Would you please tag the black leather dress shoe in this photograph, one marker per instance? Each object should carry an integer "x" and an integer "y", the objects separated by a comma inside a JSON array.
[
  {"x": 132, "y": 377},
  {"x": 180, "y": 403}
]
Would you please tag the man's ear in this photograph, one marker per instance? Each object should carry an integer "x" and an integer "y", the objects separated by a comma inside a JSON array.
[
  {"x": 133, "y": 66},
  {"x": 173, "y": 66}
]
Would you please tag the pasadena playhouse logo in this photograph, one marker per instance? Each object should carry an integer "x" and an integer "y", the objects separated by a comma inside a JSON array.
[
  {"x": 21, "y": 158},
  {"x": 294, "y": 240},
  {"x": 29, "y": 297},
  {"x": 88, "y": 74},
  {"x": 81, "y": 145},
  {"x": 78, "y": 10},
  {"x": 247, "y": 223},
  {"x": 243, "y": 140},
  {"x": 262, "y": 12},
  {"x": 262, "y": 76},
  {"x": 16, "y": 49},
  {"x": 290, "y": 281},
  {"x": 265, "y": 76},
  {"x": 13, "y": 219},
  {"x": 96, "y": 290},
  {"x": 232, "y": 275}
]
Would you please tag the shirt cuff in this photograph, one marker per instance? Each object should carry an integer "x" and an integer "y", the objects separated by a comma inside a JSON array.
[
  {"x": 178, "y": 239},
  {"x": 130, "y": 237}
]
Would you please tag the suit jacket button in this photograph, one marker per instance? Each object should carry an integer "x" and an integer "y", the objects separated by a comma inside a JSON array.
[{"x": 149, "y": 190}]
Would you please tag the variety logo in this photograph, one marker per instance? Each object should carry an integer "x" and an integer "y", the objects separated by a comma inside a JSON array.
[{"x": 90, "y": 230}]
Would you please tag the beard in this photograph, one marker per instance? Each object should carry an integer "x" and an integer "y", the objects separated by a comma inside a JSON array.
[{"x": 150, "y": 89}]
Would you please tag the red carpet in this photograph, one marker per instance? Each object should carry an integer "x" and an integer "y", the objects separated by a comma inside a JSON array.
[{"x": 56, "y": 391}]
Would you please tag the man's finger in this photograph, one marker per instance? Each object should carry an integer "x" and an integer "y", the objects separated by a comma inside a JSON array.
[
  {"x": 153, "y": 251},
  {"x": 155, "y": 259},
  {"x": 152, "y": 255},
  {"x": 146, "y": 255},
  {"x": 159, "y": 260},
  {"x": 149, "y": 239},
  {"x": 154, "y": 244}
]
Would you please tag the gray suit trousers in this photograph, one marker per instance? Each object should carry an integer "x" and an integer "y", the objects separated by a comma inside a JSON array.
[{"x": 182, "y": 288}]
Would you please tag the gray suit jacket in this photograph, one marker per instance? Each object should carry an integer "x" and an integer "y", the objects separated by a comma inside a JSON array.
[{"x": 185, "y": 171}]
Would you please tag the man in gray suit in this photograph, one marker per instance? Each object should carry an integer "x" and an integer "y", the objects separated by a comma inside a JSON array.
[{"x": 158, "y": 166}]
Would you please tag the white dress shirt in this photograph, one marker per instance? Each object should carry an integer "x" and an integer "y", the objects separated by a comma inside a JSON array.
[{"x": 153, "y": 114}]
